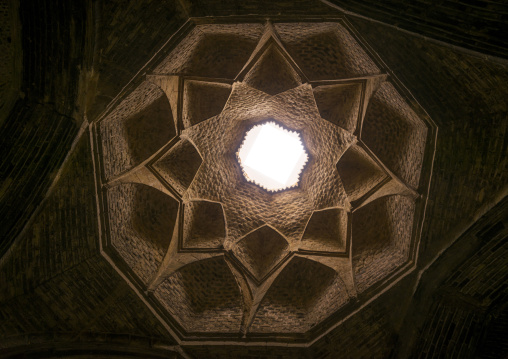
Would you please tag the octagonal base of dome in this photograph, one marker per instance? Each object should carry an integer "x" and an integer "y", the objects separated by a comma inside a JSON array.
[{"x": 217, "y": 258}]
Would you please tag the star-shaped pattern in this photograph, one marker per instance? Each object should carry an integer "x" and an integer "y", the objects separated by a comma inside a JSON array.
[{"x": 270, "y": 249}]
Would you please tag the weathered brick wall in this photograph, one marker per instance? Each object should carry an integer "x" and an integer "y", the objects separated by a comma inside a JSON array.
[
  {"x": 493, "y": 345},
  {"x": 57, "y": 283},
  {"x": 246, "y": 352},
  {"x": 112, "y": 347},
  {"x": 126, "y": 28},
  {"x": 61, "y": 41},
  {"x": 63, "y": 234},
  {"x": 200, "y": 8},
  {"x": 477, "y": 25},
  {"x": 461, "y": 296},
  {"x": 53, "y": 281},
  {"x": 10, "y": 57},
  {"x": 6, "y": 48},
  {"x": 35, "y": 141},
  {"x": 450, "y": 332},
  {"x": 467, "y": 98},
  {"x": 470, "y": 300},
  {"x": 368, "y": 334},
  {"x": 40, "y": 128}
]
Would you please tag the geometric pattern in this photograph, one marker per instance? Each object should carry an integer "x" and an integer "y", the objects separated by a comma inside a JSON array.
[{"x": 213, "y": 253}]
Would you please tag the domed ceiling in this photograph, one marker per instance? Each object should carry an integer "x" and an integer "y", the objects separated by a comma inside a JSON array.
[{"x": 216, "y": 256}]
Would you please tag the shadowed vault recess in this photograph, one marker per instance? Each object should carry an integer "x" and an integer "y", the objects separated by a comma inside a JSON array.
[{"x": 216, "y": 254}]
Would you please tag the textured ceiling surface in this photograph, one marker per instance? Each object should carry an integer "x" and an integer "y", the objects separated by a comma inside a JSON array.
[
  {"x": 65, "y": 62},
  {"x": 217, "y": 255}
]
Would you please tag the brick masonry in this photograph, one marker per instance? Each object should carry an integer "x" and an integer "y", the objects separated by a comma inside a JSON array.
[
  {"x": 476, "y": 25},
  {"x": 50, "y": 290}
]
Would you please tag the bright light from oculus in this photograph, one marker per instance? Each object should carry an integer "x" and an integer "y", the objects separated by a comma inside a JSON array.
[{"x": 272, "y": 157}]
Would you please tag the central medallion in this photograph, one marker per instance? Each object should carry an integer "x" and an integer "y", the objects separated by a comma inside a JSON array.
[{"x": 272, "y": 157}]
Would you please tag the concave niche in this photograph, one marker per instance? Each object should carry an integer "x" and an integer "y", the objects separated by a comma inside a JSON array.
[
  {"x": 261, "y": 250},
  {"x": 203, "y": 296},
  {"x": 383, "y": 245},
  {"x": 136, "y": 129},
  {"x": 204, "y": 225},
  {"x": 304, "y": 294},
  {"x": 141, "y": 224}
]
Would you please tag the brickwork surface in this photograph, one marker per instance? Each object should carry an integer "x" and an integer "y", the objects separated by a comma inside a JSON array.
[
  {"x": 138, "y": 127},
  {"x": 58, "y": 292},
  {"x": 54, "y": 280},
  {"x": 467, "y": 98},
  {"x": 466, "y": 313},
  {"x": 214, "y": 304},
  {"x": 89, "y": 297},
  {"x": 226, "y": 215},
  {"x": 63, "y": 234},
  {"x": 10, "y": 57},
  {"x": 476, "y": 25},
  {"x": 127, "y": 28},
  {"x": 39, "y": 130},
  {"x": 145, "y": 231}
]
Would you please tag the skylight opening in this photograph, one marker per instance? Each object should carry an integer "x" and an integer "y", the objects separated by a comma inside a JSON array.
[{"x": 272, "y": 157}]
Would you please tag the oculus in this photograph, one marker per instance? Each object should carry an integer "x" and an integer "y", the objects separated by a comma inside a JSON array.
[{"x": 272, "y": 157}]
